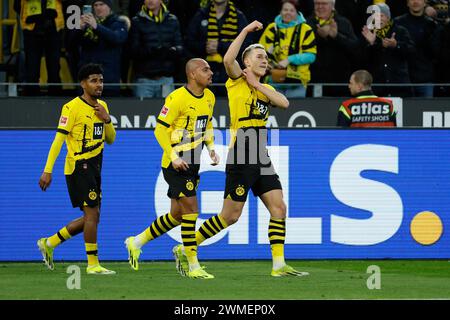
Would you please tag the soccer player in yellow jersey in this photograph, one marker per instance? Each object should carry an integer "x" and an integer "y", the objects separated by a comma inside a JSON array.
[
  {"x": 248, "y": 164},
  {"x": 84, "y": 125},
  {"x": 183, "y": 127}
]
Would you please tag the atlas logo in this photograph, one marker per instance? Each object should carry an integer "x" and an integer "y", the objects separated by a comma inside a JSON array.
[{"x": 369, "y": 109}]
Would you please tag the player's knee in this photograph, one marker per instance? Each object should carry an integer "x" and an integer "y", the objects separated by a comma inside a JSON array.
[
  {"x": 92, "y": 215},
  {"x": 231, "y": 216},
  {"x": 188, "y": 206},
  {"x": 232, "y": 220},
  {"x": 279, "y": 210},
  {"x": 189, "y": 210},
  {"x": 176, "y": 215}
]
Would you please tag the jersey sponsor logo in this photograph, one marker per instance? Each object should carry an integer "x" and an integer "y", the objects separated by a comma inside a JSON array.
[
  {"x": 63, "y": 121},
  {"x": 201, "y": 123},
  {"x": 98, "y": 131},
  {"x": 259, "y": 110},
  {"x": 262, "y": 107},
  {"x": 164, "y": 111}
]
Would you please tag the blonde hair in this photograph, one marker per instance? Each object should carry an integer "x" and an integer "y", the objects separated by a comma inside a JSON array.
[{"x": 250, "y": 48}]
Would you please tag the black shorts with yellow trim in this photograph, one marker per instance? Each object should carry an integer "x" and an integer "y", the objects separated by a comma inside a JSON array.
[
  {"x": 84, "y": 184},
  {"x": 240, "y": 178},
  {"x": 182, "y": 183}
]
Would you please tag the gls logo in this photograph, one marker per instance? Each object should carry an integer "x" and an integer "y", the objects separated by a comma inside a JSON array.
[{"x": 346, "y": 184}]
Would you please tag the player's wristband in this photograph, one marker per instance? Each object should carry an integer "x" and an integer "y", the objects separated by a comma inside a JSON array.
[{"x": 108, "y": 122}]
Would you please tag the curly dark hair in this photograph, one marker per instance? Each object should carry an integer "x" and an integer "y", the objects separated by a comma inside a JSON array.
[{"x": 88, "y": 69}]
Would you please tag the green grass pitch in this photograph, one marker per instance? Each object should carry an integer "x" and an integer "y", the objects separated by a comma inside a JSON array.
[{"x": 235, "y": 280}]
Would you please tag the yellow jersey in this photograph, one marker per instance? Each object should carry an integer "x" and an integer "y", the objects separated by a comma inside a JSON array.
[
  {"x": 188, "y": 118},
  {"x": 85, "y": 131},
  {"x": 249, "y": 108},
  {"x": 283, "y": 42}
]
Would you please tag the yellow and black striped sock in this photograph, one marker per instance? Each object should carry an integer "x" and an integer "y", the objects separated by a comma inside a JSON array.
[
  {"x": 277, "y": 235},
  {"x": 160, "y": 226},
  {"x": 188, "y": 237},
  {"x": 210, "y": 228},
  {"x": 92, "y": 253},
  {"x": 58, "y": 238}
]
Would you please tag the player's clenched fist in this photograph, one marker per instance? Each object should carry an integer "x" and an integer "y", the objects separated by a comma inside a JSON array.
[{"x": 254, "y": 26}]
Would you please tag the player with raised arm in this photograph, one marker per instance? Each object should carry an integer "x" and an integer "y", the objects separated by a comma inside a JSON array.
[{"x": 249, "y": 102}]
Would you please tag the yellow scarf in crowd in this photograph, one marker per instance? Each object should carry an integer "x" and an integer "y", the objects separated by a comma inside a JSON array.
[
  {"x": 89, "y": 32},
  {"x": 323, "y": 22},
  {"x": 382, "y": 33},
  {"x": 157, "y": 18},
  {"x": 227, "y": 33}
]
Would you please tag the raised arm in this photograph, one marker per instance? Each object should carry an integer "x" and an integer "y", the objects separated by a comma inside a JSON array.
[{"x": 232, "y": 67}]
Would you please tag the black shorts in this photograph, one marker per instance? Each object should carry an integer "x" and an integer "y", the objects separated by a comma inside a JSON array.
[
  {"x": 84, "y": 184},
  {"x": 240, "y": 178},
  {"x": 182, "y": 183}
]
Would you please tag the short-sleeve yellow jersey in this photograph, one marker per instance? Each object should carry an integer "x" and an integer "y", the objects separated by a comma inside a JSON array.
[
  {"x": 188, "y": 118},
  {"x": 249, "y": 108},
  {"x": 85, "y": 131}
]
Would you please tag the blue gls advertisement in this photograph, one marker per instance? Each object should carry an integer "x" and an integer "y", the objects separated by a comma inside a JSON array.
[{"x": 350, "y": 194}]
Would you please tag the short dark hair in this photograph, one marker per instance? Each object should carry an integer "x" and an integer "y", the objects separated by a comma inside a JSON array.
[
  {"x": 88, "y": 69},
  {"x": 293, "y": 2},
  {"x": 363, "y": 77}
]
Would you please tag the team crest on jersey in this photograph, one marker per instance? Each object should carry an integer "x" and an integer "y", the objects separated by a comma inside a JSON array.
[
  {"x": 164, "y": 111},
  {"x": 63, "y": 121}
]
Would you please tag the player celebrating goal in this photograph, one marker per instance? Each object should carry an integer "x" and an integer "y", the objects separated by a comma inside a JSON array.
[
  {"x": 183, "y": 127},
  {"x": 85, "y": 125},
  {"x": 249, "y": 102}
]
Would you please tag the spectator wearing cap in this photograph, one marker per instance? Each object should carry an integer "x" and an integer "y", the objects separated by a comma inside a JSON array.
[
  {"x": 156, "y": 47},
  {"x": 397, "y": 7},
  {"x": 425, "y": 33},
  {"x": 291, "y": 46},
  {"x": 386, "y": 48},
  {"x": 101, "y": 39},
  {"x": 336, "y": 47}
]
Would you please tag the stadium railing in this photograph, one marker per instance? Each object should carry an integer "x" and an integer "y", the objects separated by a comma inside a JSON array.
[{"x": 14, "y": 89}]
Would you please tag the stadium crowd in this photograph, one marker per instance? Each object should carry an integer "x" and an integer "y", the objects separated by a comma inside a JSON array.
[{"x": 147, "y": 42}]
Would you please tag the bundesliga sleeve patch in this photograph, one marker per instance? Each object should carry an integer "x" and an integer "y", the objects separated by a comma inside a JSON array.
[
  {"x": 63, "y": 121},
  {"x": 164, "y": 111}
]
